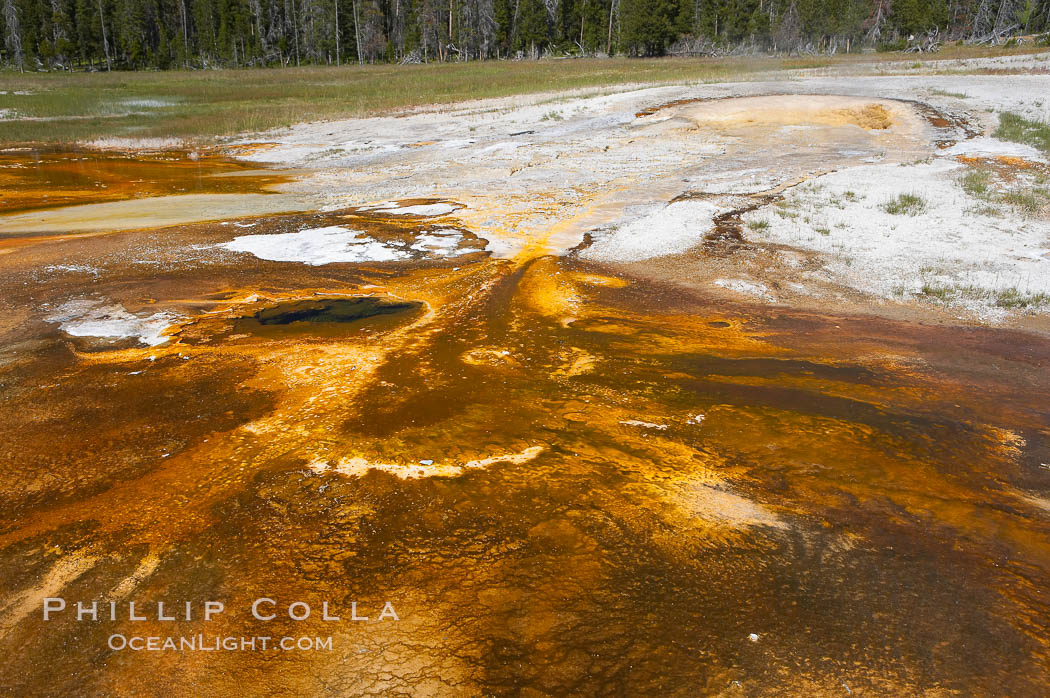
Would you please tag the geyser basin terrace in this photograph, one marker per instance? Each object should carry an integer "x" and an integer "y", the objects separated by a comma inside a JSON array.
[{"x": 730, "y": 389}]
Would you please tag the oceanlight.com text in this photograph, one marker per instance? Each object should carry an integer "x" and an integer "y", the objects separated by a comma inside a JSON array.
[{"x": 217, "y": 643}]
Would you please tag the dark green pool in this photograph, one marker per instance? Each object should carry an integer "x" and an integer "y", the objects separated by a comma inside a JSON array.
[{"x": 328, "y": 315}]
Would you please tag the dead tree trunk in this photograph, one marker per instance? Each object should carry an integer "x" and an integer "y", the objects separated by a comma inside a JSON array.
[
  {"x": 357, "y": 35},
  {"x": 13, "y": 40},
  {"x": 337, "y": 59},
  {"x": 185, "y": 35},
  {"x": 105, "y": 40},
  {"x": 295, "y": 30},
  {"x": 583, "y": 15}
]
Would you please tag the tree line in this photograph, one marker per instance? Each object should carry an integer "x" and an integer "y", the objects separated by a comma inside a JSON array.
[{"x": 164, "y": 34}]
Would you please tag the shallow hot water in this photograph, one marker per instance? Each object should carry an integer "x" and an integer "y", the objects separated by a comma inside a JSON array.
[
  {"x": 34, "y": 179},
  {"x": 326, "y": 316}
]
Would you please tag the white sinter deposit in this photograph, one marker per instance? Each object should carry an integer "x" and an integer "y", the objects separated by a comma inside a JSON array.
[
  {"x": 951, "y": 246},
  {"x": 334, "y": 243},
  {"x": 358, "y": 466},
  {"x": 426, "y": 210},
  {"x": 94, "y": 318},
  {"x": 538, "y": 173},
  {"x": 746, "y": 287},
  {"x": 316, "y": 246},
  {"x": 994, "y": 146},
  {"x": 670, "y": 229}
]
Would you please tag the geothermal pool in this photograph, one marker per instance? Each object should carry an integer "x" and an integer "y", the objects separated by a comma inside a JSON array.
[{"x": 536, "y": 472}]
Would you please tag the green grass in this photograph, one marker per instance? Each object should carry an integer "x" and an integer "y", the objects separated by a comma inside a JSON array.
[
  {"x": 905, "y": 204},
  {"x": 1012, "y": 298},
  {"x": 1014, "y": 127},
  {"x": 209, "y": 104},
  {"x": 990, "y": 211},
  {"x": 1008, "y": 298},
  {"x": 977, "y": 183},
  {"x": 946, "y": 93},
  {"x": 941, "y": 293},
  {"x": 1026, "y": 200},
  {"x": 758, "y": 225}
]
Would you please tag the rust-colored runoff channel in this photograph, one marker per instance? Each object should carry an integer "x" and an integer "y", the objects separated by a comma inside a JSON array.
[
  {"x": 33, "y": 179},
  {"x": 564, "y": 481}
]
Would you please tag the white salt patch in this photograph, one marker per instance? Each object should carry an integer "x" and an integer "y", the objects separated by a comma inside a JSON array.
[
  {"x": 456, "y": 143},
  {"x": 93, "y": 318},
  {"x": 501, "y": 248},
  {"x": 358, "y": 466},
  {"x": 719, "y": 505},
  {"x": 442, "y": 243},
  {"x": 114, "y": 143},
  {"x": 436, "y": 242},
  {"x": 148, "y": 103},
  {"x": 749, "y": 287},
  {"x": 505, "y": 147},
  {"x": 647, "y": 425},
  {"x": 316, "y": 246},
  {"x": 78, "y": 268},
  {"x": 951, "y": 244},
  {"x": 994, "y": 146},
  {"x": 369, "y": 146},
  {"x": 429, "y": 210},
  {"x": 671, "y": 229}
]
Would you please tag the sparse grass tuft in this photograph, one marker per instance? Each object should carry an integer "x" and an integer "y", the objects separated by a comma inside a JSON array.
[
  {"x": 990, "y": 211},
  {"x": 945, "y": 93},
  {"x": 1012, "y": 298},
  {"x": 758, "y": 225},
  {"x": 1014, "y": 127},
  {"x": 905, "y": 204},
  {"x": 1027, "y": 202},
  {"x": 977, "y": 183},
  {"x": 941, "y": 293},
  {"x": 1007, "y": 298}
]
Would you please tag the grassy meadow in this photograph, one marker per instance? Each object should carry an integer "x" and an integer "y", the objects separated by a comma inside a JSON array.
[{"x": 202, "y": 106}]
